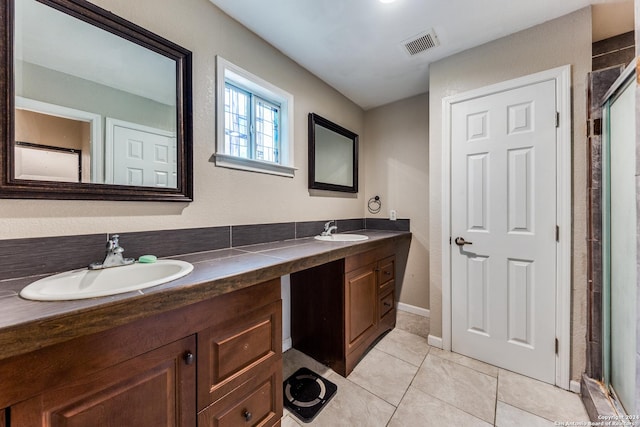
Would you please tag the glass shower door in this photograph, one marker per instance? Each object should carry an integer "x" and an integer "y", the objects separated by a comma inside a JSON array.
[{"x": 620, "y": 242}]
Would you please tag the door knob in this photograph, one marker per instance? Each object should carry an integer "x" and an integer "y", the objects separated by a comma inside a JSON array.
[{"x": 461, "y": 242}]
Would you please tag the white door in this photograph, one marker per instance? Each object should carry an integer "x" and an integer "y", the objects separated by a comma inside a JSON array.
[
  {"x": 503, "y": 204},
  {"x": 138, "y": 155}
]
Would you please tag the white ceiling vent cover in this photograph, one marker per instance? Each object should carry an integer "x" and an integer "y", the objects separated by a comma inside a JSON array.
[{"x": 421, "y": 43}]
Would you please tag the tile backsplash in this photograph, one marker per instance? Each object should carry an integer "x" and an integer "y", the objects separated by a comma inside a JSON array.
[
  {"x": 40, "y": 255},
  {"x": 45, "y": 255}
]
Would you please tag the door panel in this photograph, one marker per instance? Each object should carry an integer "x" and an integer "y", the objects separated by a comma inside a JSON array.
[
  {"x": 143, "y": 158},
  {"x": 139, "y": 155},
  {"x": 503, "y": 202},
  {"x": 520, "y": 303},
  {"x": 477, "y": 313},
  {"x": 478, "y": 166}
]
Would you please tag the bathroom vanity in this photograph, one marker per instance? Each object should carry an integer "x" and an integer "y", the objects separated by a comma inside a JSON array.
[
  {"x": 219, "y": 360},
  {"x": 339, "y": 309},
  {"x": 203, "y": 350}
]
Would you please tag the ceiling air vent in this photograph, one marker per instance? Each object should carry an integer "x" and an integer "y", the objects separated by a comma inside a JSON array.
[{"x": 421, "y": 43}]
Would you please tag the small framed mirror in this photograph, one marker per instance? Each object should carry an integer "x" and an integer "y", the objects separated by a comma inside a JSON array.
[
  {"x": 333, "y": 156},
  {"x": 93, "y": 106}
]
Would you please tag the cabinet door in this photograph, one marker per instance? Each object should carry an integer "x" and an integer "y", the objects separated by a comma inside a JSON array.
[
  {"x": 151, "y": 390},
  {"x": 361, "y": 300}
]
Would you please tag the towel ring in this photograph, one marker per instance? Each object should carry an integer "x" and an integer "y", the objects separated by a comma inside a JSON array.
[{"x": 374, "y": 205}]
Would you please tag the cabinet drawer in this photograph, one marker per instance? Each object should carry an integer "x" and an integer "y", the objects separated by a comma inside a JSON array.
[
  {"x": 255, "y": 403},
  {"x": 386, "y": 287},
  {"x": 387, "y": 311},
  {"x": 356, "y": 261},
  {"x": 386, "y": 270},
  {"x": 386, "y": 304},
  {"x": 230, "y": 352}
]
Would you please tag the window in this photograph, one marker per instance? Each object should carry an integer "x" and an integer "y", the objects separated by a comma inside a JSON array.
[
  {"x": 250, "y": 125},
  {"x": 254, "y": 121}
]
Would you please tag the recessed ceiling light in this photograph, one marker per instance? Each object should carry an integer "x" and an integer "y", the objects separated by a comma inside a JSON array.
[{"x": 387, "y": 1}]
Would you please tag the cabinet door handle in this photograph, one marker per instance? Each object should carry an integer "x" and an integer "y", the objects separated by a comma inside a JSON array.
[
  {"x": 189, "y": 358},
  {"x": 388, "y": 273},
  {"x": 247, "y": 415}
]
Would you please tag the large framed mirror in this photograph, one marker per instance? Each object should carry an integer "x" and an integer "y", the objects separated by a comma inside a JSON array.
[
  {"x": 333, "y": 156},
  {"x": 84, "y": 88}
]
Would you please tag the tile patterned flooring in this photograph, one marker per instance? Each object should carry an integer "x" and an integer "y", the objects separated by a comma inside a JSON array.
[{"x": 403, "y": 381}]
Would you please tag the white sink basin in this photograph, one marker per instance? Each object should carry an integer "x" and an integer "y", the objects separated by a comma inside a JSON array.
[
  {"x": 85, "y": 283},
  {"x": 342, "y": 238}
]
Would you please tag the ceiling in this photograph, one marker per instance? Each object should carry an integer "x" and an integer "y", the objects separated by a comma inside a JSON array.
[{"x": 356, "y": 46}]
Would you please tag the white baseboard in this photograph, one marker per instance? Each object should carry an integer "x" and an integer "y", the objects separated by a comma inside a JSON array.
[
  {"x": 413, "y": 309},
  {"x": 287, "y": 344},
  {"x": 574, "y": 386},
  {"x": 434, "y": 341}
]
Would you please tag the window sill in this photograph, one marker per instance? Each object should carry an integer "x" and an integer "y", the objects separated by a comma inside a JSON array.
[{"x": 233, "y": 162}]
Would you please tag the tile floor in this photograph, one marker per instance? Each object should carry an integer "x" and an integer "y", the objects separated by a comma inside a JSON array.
[{"x": 403, "y": 381}]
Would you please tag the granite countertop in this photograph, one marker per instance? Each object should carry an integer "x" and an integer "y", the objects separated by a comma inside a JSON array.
[{"x": 30, "y": 325}]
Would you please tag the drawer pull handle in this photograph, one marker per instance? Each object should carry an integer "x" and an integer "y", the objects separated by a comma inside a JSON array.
[
  {"x": 189, "y": 358},
  {"x": 387, "y": 304},
  {"x": 388, "y": 273},
  {"x": 247, "y": 415}
]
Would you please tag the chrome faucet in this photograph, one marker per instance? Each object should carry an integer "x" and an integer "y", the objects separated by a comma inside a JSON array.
[
  {"x": 328, "y": 229},
  {"x": 113, "y": 256}
]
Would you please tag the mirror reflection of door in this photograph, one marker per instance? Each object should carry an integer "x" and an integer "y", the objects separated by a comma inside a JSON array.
[
  {"x": 139, "y": 155},
  {"x": 47, "y": 137}
]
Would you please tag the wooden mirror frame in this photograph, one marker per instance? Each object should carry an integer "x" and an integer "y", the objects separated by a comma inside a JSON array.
[
  {"x": 314, "y": 120},
  {"x": 12, "y": 188}
]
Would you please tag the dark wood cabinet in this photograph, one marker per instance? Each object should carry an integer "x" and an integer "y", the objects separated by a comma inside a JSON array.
[
  {"x": 257, "y": 402},
  {"x": 214, "y": 363},
  {"x": 387, "y": 293},
  {"x": 340, "y": 308},
  {"x": 153, "y": 389},
  {"x": 361, "y": 293},
  {"x": 240, "y": 369}
]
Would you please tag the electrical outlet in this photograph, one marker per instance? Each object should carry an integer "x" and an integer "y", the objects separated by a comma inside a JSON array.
[{"x": 393, "y": 215}]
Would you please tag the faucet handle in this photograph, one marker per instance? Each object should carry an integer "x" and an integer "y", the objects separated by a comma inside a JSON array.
[
  {"x": 113, "y": 243},
  {"x": 328, "y": 224}
]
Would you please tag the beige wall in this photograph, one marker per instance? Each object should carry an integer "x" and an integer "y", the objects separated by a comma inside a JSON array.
[
  {"x": 397, "y": 169},
  {"x": 566, "y": 40},
  {"x": 611, "y": 19},
  {"x": 222, "y": 196}
]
